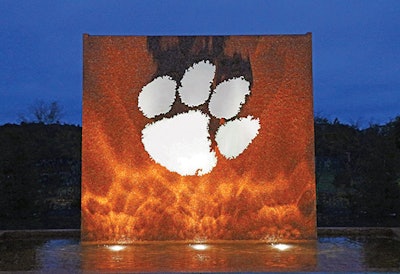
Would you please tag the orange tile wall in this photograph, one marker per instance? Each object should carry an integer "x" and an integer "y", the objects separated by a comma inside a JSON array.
[{"x": 267, "y": 193}]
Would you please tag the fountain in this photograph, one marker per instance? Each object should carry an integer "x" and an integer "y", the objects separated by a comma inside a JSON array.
[
  {"x": 197, "y": 139},
  {"x": 198, "y": 157}
]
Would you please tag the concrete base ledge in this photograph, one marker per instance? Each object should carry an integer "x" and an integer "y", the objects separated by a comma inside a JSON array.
[
  {"x": 322, "y": 231},
  {"x": 38, "y": 234},
  {"x": 359, "y": 231}
]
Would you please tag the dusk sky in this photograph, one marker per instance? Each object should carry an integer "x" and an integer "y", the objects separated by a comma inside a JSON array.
[{"x": 356, "y": 47}]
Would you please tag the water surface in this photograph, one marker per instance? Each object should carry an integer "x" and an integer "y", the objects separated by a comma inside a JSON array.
[{"x": 350, "y": 253}]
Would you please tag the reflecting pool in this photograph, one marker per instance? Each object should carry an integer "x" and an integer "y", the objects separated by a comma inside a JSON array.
[{"x": 328, "y": 253}]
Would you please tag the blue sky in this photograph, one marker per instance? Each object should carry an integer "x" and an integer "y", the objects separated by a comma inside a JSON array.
[{"x": 356, "y": 46}]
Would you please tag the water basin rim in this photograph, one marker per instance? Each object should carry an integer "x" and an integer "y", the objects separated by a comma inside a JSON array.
[
  {"x": 39, "y": 233},
  {"x": 393, "y": 232},
  {"x": 321, "y": 231}
]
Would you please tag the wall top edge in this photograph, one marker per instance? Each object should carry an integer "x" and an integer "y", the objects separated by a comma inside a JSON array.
[{"x": 201, "y": 35}]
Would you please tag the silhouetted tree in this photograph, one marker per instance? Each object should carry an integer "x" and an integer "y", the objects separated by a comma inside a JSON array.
[{"x": 43, "y": 112}]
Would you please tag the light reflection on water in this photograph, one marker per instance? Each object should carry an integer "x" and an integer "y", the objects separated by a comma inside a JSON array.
[
  {"x": 326, "y": 254},
  {"x": 211, "y": 257}
]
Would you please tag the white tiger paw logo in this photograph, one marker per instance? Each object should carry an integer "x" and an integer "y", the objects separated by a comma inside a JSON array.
[{"x": 182, "y": 142}]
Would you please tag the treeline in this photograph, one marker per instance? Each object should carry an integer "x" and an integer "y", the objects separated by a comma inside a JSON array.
[
  {"x": 40, "y": 169},
  {"x": 357, "y": 172}
]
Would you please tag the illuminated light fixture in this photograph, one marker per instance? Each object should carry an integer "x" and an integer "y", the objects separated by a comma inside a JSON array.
[
  {"x": 281, "y": 247},
  {"x": 116, "y": 247},
  {"x": 199, "y": 246}
]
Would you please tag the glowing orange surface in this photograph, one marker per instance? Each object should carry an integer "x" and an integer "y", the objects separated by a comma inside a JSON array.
[{"x": 266, "y": 193}]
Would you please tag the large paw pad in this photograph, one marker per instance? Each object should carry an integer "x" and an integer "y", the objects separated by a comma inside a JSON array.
[{"x": 182, "y": 142}]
